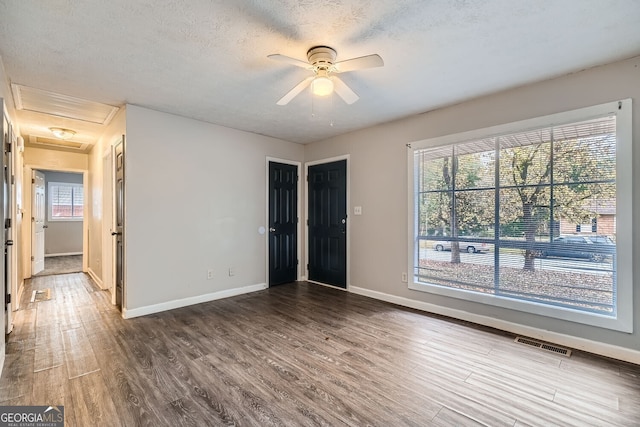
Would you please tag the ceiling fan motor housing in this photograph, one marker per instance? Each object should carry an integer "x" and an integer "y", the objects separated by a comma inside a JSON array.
[{"x": 321, "y": 57}]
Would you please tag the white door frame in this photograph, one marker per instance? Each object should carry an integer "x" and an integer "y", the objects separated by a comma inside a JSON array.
[
  {"x": 112, "y": 224},
  {"x": 300, "y": 274},
  {"x": 108, "y": 264},
  {"x": 346, "y": 157},
  {"x": 28, "y": 213},
  {"x": 10, "y": 258}
]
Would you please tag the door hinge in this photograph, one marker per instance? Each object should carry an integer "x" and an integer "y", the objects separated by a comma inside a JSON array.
[
  {"x": 7, "y": 299},
  {"x": 33, "y": 181},
  {"x": 8, "y": 147},
  {"x": 33, "y": 258},
  {"x": 307, "y": 222},
  {"x": 297, "y": 262},
  {"x": 307, "y": 266}
]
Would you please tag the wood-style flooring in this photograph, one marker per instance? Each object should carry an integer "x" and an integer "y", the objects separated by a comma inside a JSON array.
[{"x": 297, "y": 354}]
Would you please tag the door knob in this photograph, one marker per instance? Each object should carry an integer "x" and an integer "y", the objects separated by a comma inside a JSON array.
[
  {"x": 115, "y": 233},
  {"x": 271, "y": 229},
  {"x": 45, "y": 226}
]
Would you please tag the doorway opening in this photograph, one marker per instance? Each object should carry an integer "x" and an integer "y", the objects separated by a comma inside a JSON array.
[
  {"x": 58, "y": 226},
  {"x": 283, "y": 196},
  {"x": 327, "y": 183}
]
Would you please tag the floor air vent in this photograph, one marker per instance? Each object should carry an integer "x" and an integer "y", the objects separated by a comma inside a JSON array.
[
  {"x": 42, "y": 295},
  {"x": 544, "y": 346}
]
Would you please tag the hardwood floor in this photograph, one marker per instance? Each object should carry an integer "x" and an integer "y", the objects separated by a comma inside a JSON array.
[{"x": 296, "y": 354}]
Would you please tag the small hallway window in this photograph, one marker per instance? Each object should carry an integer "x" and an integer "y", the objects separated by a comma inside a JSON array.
[{"x": 66, "y": 201}]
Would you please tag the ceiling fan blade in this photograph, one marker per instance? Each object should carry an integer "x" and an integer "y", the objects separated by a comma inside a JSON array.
[
  {"x": 291, "y": 61},
  {"x": 369, "y": 61},
  {"x": 344, "y": 91},
  {"x": 295, "y": 91}
]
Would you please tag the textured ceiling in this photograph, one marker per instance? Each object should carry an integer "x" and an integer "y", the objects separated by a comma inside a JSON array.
[{"x": 207, "y": 59}]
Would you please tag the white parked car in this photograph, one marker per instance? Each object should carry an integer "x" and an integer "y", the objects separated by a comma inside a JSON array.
[{"x": 470, "y": 247}]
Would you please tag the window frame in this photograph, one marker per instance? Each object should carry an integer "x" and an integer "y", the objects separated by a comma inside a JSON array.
[
  {"x": 74, "y": 186},
  {"x": 622, "y": 320}
]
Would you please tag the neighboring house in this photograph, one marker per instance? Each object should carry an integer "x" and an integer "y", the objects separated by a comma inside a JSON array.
[{"x": 603, "y": 220}]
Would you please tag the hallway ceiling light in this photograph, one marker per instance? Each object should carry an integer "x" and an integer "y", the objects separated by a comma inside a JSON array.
[{"x": 63, "y": 133}]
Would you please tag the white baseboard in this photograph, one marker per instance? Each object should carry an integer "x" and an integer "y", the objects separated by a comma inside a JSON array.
[
  {"x": 170, "y": 305},
  {"x": 63, "y": 254},
  {"x": 16, "y": 306},
  {"x": 95, "y": 278},
  {"x": 603, "y": 349}
]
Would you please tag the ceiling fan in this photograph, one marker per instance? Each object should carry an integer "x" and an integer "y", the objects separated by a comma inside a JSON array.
[{"x": 321, "y": 60}]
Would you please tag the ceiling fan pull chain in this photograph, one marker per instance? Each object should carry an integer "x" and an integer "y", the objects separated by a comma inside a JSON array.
[{"x": 331, "y": 111}]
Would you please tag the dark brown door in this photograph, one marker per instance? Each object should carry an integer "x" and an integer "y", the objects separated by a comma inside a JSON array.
[
  {"x": 119, "y": 231},
  {"x": 283, "y": 223},
  {"x": 328, "y": 223}
]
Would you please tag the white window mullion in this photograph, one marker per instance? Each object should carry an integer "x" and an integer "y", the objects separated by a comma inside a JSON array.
[{"x": 65, "y": 201}]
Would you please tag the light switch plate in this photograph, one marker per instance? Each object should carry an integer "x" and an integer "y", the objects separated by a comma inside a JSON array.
[{"x": 357, "y": 210}]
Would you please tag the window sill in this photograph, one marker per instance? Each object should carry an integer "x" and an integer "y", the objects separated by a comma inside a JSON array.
[{"x": 567, "y": 314}]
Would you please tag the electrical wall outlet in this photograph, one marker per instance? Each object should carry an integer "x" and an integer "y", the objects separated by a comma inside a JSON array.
[
  {"x": 209, "y": 274},
  {"x": 232, "y": 271},
  {"x": 404, "y": 277}
]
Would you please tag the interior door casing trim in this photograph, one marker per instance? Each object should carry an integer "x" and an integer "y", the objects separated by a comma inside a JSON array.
[{"x": 26, "y": 223}]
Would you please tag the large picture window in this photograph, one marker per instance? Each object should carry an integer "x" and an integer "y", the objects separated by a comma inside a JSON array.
[
  {"x": 525, "y": 216},
  {"x": 66, "y": 201}
]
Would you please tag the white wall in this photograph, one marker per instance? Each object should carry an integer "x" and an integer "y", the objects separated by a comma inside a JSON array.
[
  {"x": 195, "y": 198},
  {"x": 61, "y": 237},
  {"x": 39, "y": 158},
  {"x": 378, "y": 162}
]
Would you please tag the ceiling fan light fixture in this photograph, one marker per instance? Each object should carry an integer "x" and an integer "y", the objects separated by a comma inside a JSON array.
[
  {"x": 322, "y": 86},
  {"x": 322, "y": 61},
  {"x": 62, "y": 133}
]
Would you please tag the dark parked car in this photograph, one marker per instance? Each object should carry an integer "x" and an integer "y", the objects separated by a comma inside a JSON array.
[{"x": 593, "y": 248}]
